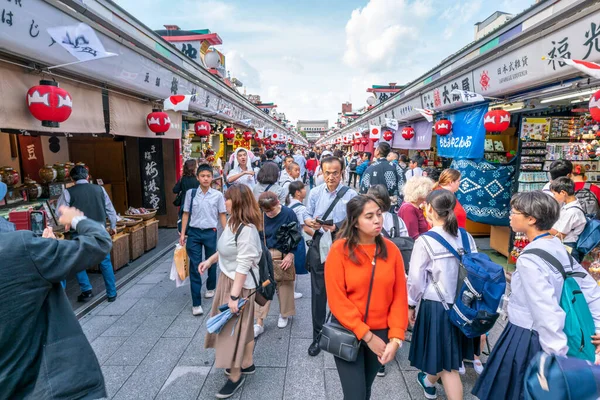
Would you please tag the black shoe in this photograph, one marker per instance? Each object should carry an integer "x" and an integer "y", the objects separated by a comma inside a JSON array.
[
  {"x": 230, "y": 388},
  {"x": 111, "y": 299},
  {"x": 85, "y": 296},
  {"x": 381, "y": 371},
  {"x": 314, "y": 349},
  {"x": 245, "y": 371}
]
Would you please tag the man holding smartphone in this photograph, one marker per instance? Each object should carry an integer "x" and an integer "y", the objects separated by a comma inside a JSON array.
[{"x": 327, "y": 210}]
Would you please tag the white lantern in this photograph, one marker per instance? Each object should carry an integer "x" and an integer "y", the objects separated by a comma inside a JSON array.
[
  {"x": 371, "y": 100},
  {"x": 212, "y": 59}
]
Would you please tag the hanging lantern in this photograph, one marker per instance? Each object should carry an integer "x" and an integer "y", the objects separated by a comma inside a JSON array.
[
  {"x": 229, "y": 133},
  {"x": 212, "y": 59},
  {"x": 408, "y": 133},
  {"x": 158, "y": 122},
  {"x": 388, "y": 135},
  {"x": 202, "y": 128},
  {"x": 247, "y": 135},
  {"x": 357, "y": 141},
  {"x": 49, "y": 103},
  {"x": 257, "y": 138},
  {"x": 443, "y": 127},
  {"x": 496, "y": 120},
  {"x": 364, "y": 141},
  {"x": 595, "y": 107}
]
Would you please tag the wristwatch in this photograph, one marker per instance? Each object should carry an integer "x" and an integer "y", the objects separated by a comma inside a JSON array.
[
  {"x": 397, "y": 341},
  {"x": 234, "y": 298}
]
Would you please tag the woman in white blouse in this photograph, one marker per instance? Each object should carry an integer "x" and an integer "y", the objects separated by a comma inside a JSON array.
[
  {"x": 238, "y": 262},
  {"x": 438, "y": 347},
  {"x": 535, "y": 318}
]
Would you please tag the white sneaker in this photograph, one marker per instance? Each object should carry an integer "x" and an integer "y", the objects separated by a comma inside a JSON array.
[
  {"x": 478, "y": 366},
  {"x": 209, "y": 294},
  {"x": 282, "y": 322},
  {"x": 297, "y": 295},
  {"x": 197, "y": 310},
  {"x": 462, "y": 370},
  {"x": 258, "y": 330}
]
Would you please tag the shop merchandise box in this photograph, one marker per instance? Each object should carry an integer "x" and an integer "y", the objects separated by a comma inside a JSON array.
[{"x": 151, "y": 233}]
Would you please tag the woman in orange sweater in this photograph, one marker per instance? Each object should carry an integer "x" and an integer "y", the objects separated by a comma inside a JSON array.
[{"x": 359, "y": 254}]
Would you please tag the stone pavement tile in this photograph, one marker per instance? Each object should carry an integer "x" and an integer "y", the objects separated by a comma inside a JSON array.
[
  {"x": 87, "y": 317},
  {"x": 105, "y": 346},
  {"x": 161, "y": 291},
  {"x": 390, "y": 386},
  {"x": 214, "y": 382},
  {"x": 272, "y": 346},
  {"x": 97, "y": 325},
  {"x": 136, "y": 291},
  {"x": 119, "y": 306},
  {"x": 303, "y": 285},
  {"x": 150, "y": 376},
  {"x": 274, "y": 309},
  {"x": 177, "y": 299},
  {"x": 304, "y": 383},
  {"x": 265, "y": 383},
  {"x": 184, "y": 383},
  {"x": 329, "y": 360},
  {"x": 196, "y": 354},
  {"x": 416, "y": 392},
  {"x": 115, "y": 376},
  {"x": 333, "y": 386},
  {"x": 298, "y": 355},
  {"x": 302, "y": 321},
  {"x": 402, "y": 358},
  {"x": 132, "y": 319},
  {"x": 185, "y": 325},
  {"x": 154, "y": 277}
]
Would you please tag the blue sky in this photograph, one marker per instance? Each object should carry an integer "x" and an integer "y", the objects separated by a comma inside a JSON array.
[{"x": 310, "y": 56}]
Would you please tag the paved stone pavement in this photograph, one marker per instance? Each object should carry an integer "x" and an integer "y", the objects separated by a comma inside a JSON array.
[{"x": 151, "y": 347}]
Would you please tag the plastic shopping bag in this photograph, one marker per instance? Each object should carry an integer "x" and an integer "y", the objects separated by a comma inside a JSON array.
[{"x": 180, "y": 268}]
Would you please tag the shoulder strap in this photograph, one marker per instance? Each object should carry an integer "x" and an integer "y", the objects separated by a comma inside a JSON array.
[
  {"x": 194, "y": 191},
  {"x": 371, "y": 284},
  {"x": 338, "y": 197},
  {"x": 385, "y": 233},
  {"x": 396, "y": 219},
  {"x": 581, "y": 209},
  {"x": 550, "y": 259},
  {"x": 465, "y": 240},
  {"x": 296, "y": 205},
  {"x": 268, "y": 187},
  {"x": 237, "y": 234},
  {"x": 438, "y": 238}
]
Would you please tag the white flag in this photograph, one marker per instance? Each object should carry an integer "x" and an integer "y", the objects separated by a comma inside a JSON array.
[
  {"x": 178, "y": 102},
  {"x": 590, "y": 68},
  {"x": 260, "y": 132},
  {"x": 427, "y": 113},
  {"x": 468, "y": 97},
  {"x": 246, "y": 121},
  {"x": 80, "y": 40},
  {"x": 374, "y": 132},
  {"x": 391, "y": 123}
]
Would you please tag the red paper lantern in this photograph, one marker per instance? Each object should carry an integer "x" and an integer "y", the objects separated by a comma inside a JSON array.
[
  {"x": 357, "y": 141},
  {"x": 364, "y": 141},
  {"x": 443, "y": 127},
  {"x": 49, "y": 103},
  {"x": 595, "y": 107},
  {"x": 202, "y": 128},
  {"x": 158, "y": 122},
  {"x": 257, "y": 138},
  {"x": 388, "y": 135},
  {"x": 248, "y": 135},
  {"x": 229, "y": 133},
  {"x": 496, "y": 120},
  {"x": 408, "y": 133}
]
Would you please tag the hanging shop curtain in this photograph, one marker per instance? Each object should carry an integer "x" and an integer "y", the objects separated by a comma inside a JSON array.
[
  {"x": 128, "y": 118},
  {"x": 421, "y": 141},
  {"x": 87, "y": 115},
  {"x": 466, "y": 141},
  {"x": 485, "y": 190}
]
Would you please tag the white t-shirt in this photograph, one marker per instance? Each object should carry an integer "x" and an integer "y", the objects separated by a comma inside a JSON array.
[
  {"x": 388, "y": 224},
  {"x": 571, "y": 221},
  {"x": 411, "y": 173}
]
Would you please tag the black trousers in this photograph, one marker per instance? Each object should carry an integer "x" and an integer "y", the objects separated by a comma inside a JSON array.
[
  {"x": 357, "y": 377},
  {"x": 318, "y": 298},
  {"x": 352, "y": 175}
]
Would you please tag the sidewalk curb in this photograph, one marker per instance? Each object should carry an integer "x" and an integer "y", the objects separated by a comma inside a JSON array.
[{"x": 101, "y": 297}]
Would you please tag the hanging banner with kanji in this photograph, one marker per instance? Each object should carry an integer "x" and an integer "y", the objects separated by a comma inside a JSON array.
[
  {"x": 151, "y": 169},
  {"x": 32, "y": 156}
]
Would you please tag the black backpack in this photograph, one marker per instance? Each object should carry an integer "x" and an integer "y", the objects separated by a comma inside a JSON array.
[
  {"x": 404, "y": 243},
  {"x": 265, "y": 269},
  {"x": 588, "y": 201},
  {"x": 353, "y": 164}
]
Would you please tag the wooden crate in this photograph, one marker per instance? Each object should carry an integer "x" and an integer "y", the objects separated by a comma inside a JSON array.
[
  {"x": 119, "y": 255},
  {"x": 137, "y": 241},
  {"x": 151, "y": 233}
]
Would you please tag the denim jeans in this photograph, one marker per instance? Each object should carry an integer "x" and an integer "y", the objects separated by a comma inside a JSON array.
[
  {"x": 198, "y": 239},
  {"x": 108, "y": 274}
]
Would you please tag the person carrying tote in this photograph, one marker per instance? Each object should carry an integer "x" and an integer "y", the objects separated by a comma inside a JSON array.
[
  {"x": 536, "y": 320},
  {"x": 364, "y": 276},
  {"x": 275, "y": 218},
  {"x": 237, "y": 262},
  {"x": 188, "y": 181},
  {"x": 295, "y": 201},
  {"x": 438, "y": 347}
]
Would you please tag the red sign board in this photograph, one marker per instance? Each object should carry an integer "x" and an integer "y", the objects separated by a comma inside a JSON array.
[{"x": 32, "y": 156}]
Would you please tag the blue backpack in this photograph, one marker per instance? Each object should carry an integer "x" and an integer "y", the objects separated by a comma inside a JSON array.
[
  {"x": 588, "y": 240},
  {"x": 552, "y": 377},
  {"x": 479, "y": 288}
]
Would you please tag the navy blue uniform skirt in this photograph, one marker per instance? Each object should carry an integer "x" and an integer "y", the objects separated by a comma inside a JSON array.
[
  {"x": 503, "y": 375},
  {"x": 300, "y": 258},
  {"x": 437, "y": 345}
]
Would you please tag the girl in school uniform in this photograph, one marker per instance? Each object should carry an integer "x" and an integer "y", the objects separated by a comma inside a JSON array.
[
  {"x": 295, "y": 201},
  {"x": 438, "y": 347},
  {"x": 535, "y": 318}
]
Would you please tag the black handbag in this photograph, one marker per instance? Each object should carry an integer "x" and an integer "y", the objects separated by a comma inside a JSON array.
[
  {"x": 338, "y": 340},
  {"x": 288, "y": 237},
  {"x": 178, "y": 198}
]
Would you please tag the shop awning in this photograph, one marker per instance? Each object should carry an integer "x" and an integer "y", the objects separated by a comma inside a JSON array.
[
  {"x": 87, "y": 115},
  {"x": 128, "y": 118}
]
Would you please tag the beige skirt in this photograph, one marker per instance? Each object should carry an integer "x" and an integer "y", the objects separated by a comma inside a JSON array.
[{"x": 229, "y": 349}]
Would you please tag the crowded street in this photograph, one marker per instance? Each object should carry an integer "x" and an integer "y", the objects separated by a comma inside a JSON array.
[{"x": 353, "y": 200}]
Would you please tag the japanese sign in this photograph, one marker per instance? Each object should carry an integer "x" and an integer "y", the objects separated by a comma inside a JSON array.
[
  {"x": 406, "y": 110},
  {"x": 467, "y": 137},
  {"x": 442, "y": 97},
  {"x": 32, "y": 156},
  {"x": 80, "y": 40},
  {"x": 151, "y": 169}
]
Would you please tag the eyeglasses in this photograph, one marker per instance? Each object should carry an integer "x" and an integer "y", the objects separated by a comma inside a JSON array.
[
  {"x": 517, "y": 213},
  {"x": 333, "y": 174}
]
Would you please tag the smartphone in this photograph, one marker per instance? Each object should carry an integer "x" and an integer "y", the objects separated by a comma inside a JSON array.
[
  {"x": 37, "y": 221},
  {"x": 329, "y": 222}
]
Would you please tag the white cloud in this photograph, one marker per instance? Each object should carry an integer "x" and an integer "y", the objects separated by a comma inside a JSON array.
[
  {"x": 241, "y": 69},
  {"x": 294, "y": 64}
]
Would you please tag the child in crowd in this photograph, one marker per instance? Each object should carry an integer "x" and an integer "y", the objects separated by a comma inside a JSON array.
[
  {"x": 558, "y": 169},
  {"x": 572, "y": 218}
]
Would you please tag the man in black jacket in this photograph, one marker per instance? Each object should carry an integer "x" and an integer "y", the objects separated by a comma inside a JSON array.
[
  {"x": 44, "y": 353},
  {"x": 383, "y": 172}
]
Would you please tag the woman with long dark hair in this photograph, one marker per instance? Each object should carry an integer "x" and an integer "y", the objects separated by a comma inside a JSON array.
[
  {"x": 364, "y": 273},
  {"x": 438, "y": 347},
  {"x": 188, "y": 181},
  {"x": 268, "y": 181},
  {"x": 238, "y": 260}
]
